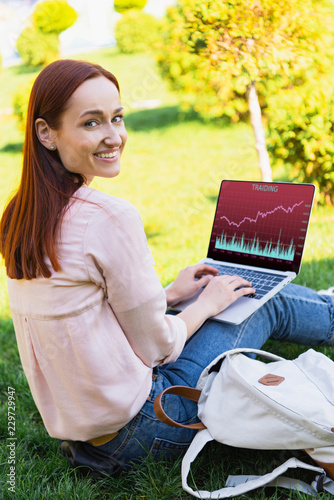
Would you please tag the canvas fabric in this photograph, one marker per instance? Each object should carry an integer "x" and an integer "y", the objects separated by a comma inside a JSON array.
[{"x": 273, "y": 404}]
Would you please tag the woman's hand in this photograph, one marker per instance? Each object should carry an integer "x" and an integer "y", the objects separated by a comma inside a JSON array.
[
  {"x": 221, "y": 292},
  {"x": 189, "y": 281}
]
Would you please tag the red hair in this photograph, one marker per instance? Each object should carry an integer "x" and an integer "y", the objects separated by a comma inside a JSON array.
[{"x": 30, "y": 221}]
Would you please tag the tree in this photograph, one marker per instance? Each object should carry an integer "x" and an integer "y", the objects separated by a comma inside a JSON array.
[
  {"x": 136, "y": 31},
  {"x": 39, "y": 43},
  {"x": 300, "y": 135},
  {"x": 37, "y": 48},
  {"x": 54, "y": 16},
  {"x": 123, "y": 6},
  {"x": 225, "y": 57}
]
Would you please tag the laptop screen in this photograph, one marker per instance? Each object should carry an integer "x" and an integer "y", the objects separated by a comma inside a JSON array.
[{"x": 261, "y": 224}]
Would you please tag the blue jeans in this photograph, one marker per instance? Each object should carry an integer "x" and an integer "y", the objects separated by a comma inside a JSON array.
[{"x": 297, "y": 314}]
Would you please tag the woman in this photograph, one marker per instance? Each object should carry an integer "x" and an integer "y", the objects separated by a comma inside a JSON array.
[{"x": 89, "y": 312}]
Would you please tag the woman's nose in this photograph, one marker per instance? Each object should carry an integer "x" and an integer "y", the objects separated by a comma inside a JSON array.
[{"x": 112, "y": 136}]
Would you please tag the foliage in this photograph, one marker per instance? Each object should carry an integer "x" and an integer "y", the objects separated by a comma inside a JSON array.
[
  {"x": 122, "y": 6},
  {"x": 54, "y": 16},
  {"x": 136, "y": 31},
  {"x": 215, "y": 49},
  {"x": 20, "y": 102},
  {"x": 38, "y": 44},
  {"x": 37, "y": 48},
  {"x": 300, "y": 134}
]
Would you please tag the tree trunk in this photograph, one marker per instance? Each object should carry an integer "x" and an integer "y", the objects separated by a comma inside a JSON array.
[{"x": 260, "y": 141}]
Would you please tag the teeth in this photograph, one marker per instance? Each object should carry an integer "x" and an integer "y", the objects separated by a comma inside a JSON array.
[{"x": 106, "y": 155}]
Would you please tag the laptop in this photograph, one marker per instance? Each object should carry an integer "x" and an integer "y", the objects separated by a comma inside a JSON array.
[{"x": 259, "y": 232}]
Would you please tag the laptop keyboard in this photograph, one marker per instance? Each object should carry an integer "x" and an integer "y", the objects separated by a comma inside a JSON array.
[{"x": 262, "y": 282}]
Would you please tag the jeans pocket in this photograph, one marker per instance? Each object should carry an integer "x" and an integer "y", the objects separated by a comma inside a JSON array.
[{"x": 164, "y": 449}]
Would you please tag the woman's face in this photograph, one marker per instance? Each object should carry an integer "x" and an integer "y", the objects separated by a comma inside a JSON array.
[{"x": 92, "y": 135}]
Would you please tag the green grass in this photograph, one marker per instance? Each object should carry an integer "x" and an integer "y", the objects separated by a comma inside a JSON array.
[{"x": 171, "y": 171}]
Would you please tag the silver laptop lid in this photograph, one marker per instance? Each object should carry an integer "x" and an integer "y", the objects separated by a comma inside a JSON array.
[{"x": 262, "y": 224}]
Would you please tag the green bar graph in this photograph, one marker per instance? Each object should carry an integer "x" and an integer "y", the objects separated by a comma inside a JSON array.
[{"x": 275, "y": 251}]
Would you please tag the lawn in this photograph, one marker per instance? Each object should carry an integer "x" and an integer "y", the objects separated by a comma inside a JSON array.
[{"x": 171, "y": 171}]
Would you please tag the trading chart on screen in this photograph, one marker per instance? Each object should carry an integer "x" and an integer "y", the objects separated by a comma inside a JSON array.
[{"x": 261, "y": 223}]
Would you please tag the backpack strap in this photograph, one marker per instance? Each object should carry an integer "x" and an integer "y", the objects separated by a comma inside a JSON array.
[
  {"x": 239, "y": 485},
  {"x": 184, "y": 392}
]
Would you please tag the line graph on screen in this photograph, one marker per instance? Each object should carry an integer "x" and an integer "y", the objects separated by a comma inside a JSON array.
[
  {"x": 262, "y": 214},
  {"x": 255, "y": 240}
]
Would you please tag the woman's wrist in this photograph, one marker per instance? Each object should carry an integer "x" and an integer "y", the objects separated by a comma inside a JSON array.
[
  {"x": 171, "y": 297},
  {"x": 193, "y": 316}
]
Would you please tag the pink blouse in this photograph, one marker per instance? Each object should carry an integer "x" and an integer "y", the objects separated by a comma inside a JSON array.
[{"x": 89, "y": 336}]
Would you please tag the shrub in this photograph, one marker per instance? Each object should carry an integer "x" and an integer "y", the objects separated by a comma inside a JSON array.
[
  {"x": 122, "y": 6},
  {"x": 37, "y": 48},
  {"x": 20, "y": 102},
  {"x": 301, "y": 132},
  {"x": 39, "y": 44},
  {"x": 54, "y": 16},
  {"x": 136, "y": 31}
]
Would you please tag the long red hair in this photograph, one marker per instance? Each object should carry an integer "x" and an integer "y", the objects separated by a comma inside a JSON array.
[{"x": 30, "y": 221}]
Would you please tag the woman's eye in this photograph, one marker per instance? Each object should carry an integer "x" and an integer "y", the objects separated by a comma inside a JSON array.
[
  {"x": 91, "y": 123},
  {"x": 118, "y": 119}
]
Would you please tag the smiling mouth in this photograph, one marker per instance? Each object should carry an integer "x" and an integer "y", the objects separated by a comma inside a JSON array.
[{"x": 106, "y": 155}]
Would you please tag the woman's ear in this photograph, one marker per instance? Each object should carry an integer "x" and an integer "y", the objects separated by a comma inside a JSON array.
[{"x": 45, "y": 133}]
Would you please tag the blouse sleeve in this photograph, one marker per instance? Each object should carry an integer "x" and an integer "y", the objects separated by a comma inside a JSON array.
[{"x": 118, "y": 259}]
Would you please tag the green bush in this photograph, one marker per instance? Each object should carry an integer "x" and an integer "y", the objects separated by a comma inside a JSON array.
[
  {"x": 54, "y": 16},
  {"x": 20, "y": 102},
  {"x": 122, "y": 6},
  {"x": 39, "y": 44},
  {"x": 37, "y": 48},
  {"x": 136, "y": 31},
  {"x": 301, "y": 135}
]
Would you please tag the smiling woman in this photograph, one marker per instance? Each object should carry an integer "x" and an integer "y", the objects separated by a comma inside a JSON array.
[
  {"x": 92, "y": 135},
  {"x": 24, "y": 221},
  {"x": 95, "y": 340}
]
